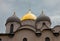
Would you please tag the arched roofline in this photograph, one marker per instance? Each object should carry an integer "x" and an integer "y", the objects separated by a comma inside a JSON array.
[
  {"x": 47, "y": 29},
  {"x": 56, "y": 26},
  {"x": 31, "y": 28},
  {"x": 28, "y": 25},
  {"x": 54, "y": 33}
]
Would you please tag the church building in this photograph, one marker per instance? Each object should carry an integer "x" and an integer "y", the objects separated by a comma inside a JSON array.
[{"x": 30, "y": 28}]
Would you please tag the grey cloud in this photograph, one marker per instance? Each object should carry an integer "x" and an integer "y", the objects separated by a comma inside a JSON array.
[{"x": 51, "y": 7}]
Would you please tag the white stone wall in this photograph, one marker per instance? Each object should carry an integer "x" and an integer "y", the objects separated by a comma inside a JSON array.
[{"x": 16, "y": 26}]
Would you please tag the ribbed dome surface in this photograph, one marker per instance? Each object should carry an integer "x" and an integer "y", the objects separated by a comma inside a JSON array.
[
  {"x": 43, "y": 17},
  {"x": 29, "y": 15},
  {"x": 13, "y": 18}
]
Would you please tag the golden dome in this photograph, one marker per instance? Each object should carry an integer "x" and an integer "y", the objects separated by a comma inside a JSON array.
[{"x": 29, "y": 15}]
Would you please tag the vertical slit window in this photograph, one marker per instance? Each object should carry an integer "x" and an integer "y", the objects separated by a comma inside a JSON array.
[
  {"x": 25, "y": 39},
  {"x": 11, "y": 28},
  {"x": 0, "y": 39}
]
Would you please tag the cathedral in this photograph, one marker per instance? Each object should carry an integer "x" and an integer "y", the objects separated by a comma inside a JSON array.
[{"x": 30, "y": 28}]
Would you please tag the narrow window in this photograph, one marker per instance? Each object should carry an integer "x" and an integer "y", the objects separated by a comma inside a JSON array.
[
  {"x": 25, "y": 39},
  {"x": 11, "y": 28},
  {"x": 43, "y": 23},
  {"x": 47, "y": 39},
  {"x": 0, "y": 39}
]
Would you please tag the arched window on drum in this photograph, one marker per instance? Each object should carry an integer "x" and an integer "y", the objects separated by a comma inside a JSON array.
[
  {"x": 24, "y": 39},
  {"x": 47, "y": 39}
]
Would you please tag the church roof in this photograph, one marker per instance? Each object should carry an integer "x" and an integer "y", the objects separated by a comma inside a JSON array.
[
  {"x": 57, "y": 26},
  {"x": 13, "y": 18},
  {"x": 43, "y": 17},
  {"x": 29, "y": 15}
]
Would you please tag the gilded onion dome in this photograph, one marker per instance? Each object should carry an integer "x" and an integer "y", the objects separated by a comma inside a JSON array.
[
  {"x": 13, "y": 18},
  {"x": 29, "y": 15},
  {"x": 43, "y": 17}
]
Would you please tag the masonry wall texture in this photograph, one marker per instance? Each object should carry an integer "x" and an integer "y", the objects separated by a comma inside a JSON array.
[{"x": 30, "y": 29}]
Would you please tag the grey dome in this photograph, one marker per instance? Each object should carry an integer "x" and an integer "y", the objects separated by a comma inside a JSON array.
[
  {"x": 13, "y": 18},
  {"x": 43, "y": 17}
]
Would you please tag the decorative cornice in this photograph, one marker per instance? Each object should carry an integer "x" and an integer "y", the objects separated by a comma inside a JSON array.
[{"x": 28, "y": 19}]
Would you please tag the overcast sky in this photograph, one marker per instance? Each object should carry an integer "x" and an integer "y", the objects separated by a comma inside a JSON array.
[{"x": 51, "y": 8}]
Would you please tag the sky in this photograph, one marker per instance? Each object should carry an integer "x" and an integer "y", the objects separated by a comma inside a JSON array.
[{"x": 51, "y": 8}]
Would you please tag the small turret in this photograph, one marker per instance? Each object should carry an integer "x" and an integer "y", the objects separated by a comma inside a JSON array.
[
  {"x": 43, "y": 21},
  {"x": 28, "y": 19},
  {"x": 12, "y": 23}
]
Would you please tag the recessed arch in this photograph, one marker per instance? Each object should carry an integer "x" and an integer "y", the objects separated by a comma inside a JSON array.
[
  {"x": 43, "y": 23},
  {"x": 47, "y": 39},
  {"x": 11, "y": 28},
  {"x": 0, "y": 39},
  {"x": 24, "y": 39}
]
